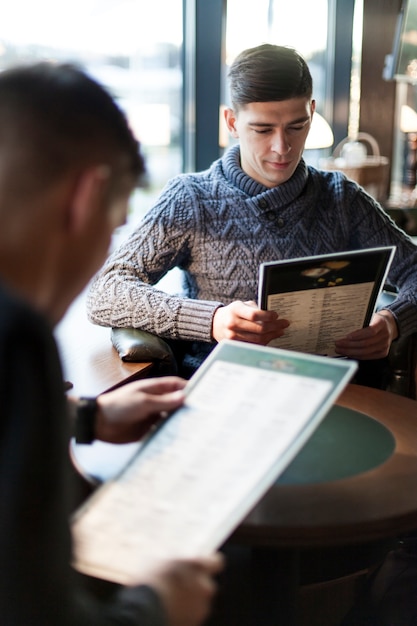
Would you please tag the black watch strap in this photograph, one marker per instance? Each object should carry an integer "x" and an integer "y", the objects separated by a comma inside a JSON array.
[{"x": 85, "y": 420}]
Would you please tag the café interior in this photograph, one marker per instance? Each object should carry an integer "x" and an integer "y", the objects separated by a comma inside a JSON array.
[{"x": 166, "y": 63}]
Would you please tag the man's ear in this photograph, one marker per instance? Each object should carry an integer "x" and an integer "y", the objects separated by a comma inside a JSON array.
[
  {"x": 88, "y": 196},
  {"x": 230, "y": 119}
]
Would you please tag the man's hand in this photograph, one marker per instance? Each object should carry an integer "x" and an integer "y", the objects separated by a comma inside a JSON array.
[
  {"x": 126, "y": 414},
  {"x": 243, "y": 321},
  {"x": 372, "y": 342},
  {"x": 186, "y": 588}
]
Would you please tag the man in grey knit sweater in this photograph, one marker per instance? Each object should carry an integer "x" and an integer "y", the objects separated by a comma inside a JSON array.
[{"x": 259, "y": 202}]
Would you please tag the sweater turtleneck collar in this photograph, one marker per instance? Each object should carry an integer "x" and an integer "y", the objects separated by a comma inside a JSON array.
[{"x": 286, "y": 192}]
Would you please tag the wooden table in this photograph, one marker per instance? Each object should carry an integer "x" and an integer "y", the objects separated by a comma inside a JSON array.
[
  {"x": 333, "y": 511},
  {"x": 362, "y": 505},
  {"x": 354, "y": 481}
]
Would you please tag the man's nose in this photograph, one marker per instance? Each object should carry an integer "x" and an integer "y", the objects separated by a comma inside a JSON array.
[{"x": 280, "y": 143}]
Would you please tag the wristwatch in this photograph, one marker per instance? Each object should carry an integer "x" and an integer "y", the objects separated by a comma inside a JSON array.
[{"x": 86, "y": 411}]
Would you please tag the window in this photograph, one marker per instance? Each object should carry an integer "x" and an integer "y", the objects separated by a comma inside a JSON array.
[{"x": 127, "y": 47}]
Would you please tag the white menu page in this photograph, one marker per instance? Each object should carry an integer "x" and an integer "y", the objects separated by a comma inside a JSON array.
[
  {"x": 248, "y": 412},
  {"x": 319, "y": 316}
]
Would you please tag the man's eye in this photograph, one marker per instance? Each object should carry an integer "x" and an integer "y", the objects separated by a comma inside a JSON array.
[
  {"x": 296, "y": 129},
  {"x": 263, "y": 131}
]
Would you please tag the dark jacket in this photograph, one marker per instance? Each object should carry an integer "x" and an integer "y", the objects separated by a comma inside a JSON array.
[{"x": 37, "y": 584}]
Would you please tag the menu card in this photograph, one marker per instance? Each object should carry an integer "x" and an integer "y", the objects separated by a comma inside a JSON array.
[
  {"x": 247, "y": 413},
  {"x": 323, "y": 297}
]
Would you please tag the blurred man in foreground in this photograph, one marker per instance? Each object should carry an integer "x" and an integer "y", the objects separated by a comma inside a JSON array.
[{"x": 68, "y": 164}]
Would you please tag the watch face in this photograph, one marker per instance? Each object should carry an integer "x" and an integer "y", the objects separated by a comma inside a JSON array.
[{"x": 85, "y": 420}]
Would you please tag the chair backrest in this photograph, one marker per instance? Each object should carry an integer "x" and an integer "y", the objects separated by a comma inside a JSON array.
[{"x": 402, "y": 357}]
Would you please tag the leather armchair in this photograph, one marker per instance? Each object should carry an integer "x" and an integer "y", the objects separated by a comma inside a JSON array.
[
  {"x": 402, "y": 356},
  {"x": 135, "y": 346}
]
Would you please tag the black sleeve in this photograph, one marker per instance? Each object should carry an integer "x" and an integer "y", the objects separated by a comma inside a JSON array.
[
  {"x": 138, "y": 606},
  {"x": 37, "y": 584}
]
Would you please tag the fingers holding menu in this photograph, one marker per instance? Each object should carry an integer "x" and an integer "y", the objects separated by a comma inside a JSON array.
[{"x": 244, "y": 321}]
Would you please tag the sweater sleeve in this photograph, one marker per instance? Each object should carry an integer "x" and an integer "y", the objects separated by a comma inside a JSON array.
[{"x": 123, "y": 293}]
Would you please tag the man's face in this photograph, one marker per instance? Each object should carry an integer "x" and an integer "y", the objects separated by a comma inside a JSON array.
[{"x": 271, "y": 137}]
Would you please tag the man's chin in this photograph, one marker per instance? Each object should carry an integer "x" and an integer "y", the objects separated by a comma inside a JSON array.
[
  {"x": 277, "y": 180},
  {"x": 274, "y": 177}
]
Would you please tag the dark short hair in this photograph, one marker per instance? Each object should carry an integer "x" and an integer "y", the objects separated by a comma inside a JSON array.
[
  {"x": 268, "y": 73},
  {"x": 62, "y": 118}
]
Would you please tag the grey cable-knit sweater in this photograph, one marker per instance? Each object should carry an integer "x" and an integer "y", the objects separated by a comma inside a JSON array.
[{"x": 219, "y": 225}]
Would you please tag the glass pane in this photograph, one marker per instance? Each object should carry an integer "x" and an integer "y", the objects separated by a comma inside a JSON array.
[
  {"x": 407, "y": 55},
  {"x": 127, "y": 47}
]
